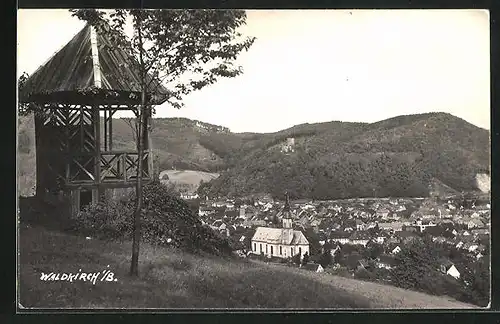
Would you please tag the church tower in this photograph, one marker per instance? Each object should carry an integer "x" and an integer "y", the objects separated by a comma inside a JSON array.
[{"x": 287, "y": 233}]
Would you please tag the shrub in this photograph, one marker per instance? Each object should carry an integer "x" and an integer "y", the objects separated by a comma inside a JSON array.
[
  {"x": 108, "y": 220},
  {"x": 166, "y": 219}
]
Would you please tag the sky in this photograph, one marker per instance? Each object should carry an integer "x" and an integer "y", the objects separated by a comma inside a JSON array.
[{"x": 309, "y": 66}]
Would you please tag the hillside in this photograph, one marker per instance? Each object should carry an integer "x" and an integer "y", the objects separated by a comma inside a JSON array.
[
  {"x": 178, "y": 143},
  {"x": 402, "y": 156},
  {"x": 170, "y": 278},
  {"x": 412, "y": 155}
]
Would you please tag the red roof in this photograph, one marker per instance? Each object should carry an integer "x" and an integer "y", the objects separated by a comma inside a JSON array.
[{"x": 71, "y": 71}]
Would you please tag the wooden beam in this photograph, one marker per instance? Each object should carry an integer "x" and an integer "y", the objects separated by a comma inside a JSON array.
[
  {"x": 95, "y": 57},
  {"x": 108, "y": 184},
  {"x": 82, "y": 124}
]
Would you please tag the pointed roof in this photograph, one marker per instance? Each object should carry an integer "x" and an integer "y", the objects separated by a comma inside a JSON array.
[
  {"x": 285, "y": 212},
  {"x": 89, "y": 63}
]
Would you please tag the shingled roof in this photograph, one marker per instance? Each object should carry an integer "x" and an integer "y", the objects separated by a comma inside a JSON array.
[
  {"x": 89, "y": 62},
  {"x": 275, "y": 236}
]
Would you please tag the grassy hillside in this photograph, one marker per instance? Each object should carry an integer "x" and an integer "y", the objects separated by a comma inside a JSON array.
[{"x": 170, "y": 278}]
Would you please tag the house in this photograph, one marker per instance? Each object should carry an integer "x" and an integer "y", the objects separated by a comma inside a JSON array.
[
  {"x": 471, "y": 247},
  {"x": 382, "y": 213},
  {"x": 334, "y": 251},
  {"x": 394, "y": 226},
  {"x": 406, "y": 236},
  {"x": 340, "y": 237},
  {"x": 385, "y": 261},
  {"x": 360, "y": 225},
  {"x": 392, "y": 240},
  {"x": 280, "y": 242},
  {"x": 439, "y": 239},
  {"x": 380, "y": 239},
  {"x": 313, "y": 267},
  {"x": 480, "y": 231},
  {"x": 396, "y": 250},
  {"x": 422, "y": 225},
  {"x": 218, "y": 204},
  {"x": 189, "y": 196},
  {"x": 475, "y": 223},
  {"x": 205, "y": 211},
  {"x": 447, "y": 267}
]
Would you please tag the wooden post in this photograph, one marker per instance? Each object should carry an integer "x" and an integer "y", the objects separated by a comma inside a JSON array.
[
  {"x": 105, "y": 128},
  {"x": 124, "y": 162},
  {"x": 67, "y": 149},
  {"x": 39, "y": 156},
  {"x": 111, "y": 112},
  {"x": 75, "y": 202},
  {"x": 97, "y": 154}
]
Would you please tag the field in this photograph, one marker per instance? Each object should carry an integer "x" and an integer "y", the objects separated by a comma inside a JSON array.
[
  {"x": 187, "y": 178},
  {"x": 170, "y": 278}
]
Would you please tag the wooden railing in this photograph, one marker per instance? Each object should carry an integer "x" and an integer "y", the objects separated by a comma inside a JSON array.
[{"x": 115, "y": 166}]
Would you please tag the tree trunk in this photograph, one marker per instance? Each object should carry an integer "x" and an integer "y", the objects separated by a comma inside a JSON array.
[
  {"x": 153, "y": 172},
  {"x": 142, "y": 129}
]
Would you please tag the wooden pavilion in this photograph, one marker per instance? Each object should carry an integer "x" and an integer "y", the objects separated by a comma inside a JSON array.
[{"x": 75, "y": 94}]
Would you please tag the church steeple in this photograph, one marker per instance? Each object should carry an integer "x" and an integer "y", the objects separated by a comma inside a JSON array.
[
  {"x": 286, "y": 209},
  {"x": 287, "y": 219}
]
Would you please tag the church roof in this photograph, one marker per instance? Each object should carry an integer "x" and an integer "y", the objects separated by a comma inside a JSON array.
[
  {"x": 88, "y": 62},
  {"x": 275, "y": 236}
]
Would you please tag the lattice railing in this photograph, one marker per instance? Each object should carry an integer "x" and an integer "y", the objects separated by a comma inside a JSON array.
[{"x": 114, "y": 165}]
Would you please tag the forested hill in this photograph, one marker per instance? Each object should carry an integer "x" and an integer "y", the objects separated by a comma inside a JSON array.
[{"x": 401, "y": 156}]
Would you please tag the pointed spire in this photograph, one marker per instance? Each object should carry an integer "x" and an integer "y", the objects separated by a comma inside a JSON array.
[
  {"x": 287, "y": 219},
  {"x": 287, "y": 203}
]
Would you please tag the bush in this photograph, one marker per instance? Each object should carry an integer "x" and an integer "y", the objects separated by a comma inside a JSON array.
[
  {"x": 166, "y": 219},
  {"x": 109, "y": 220}
]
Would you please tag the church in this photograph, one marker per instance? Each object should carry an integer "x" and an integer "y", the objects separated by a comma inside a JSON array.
[{"x": 282, "y": 242}]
